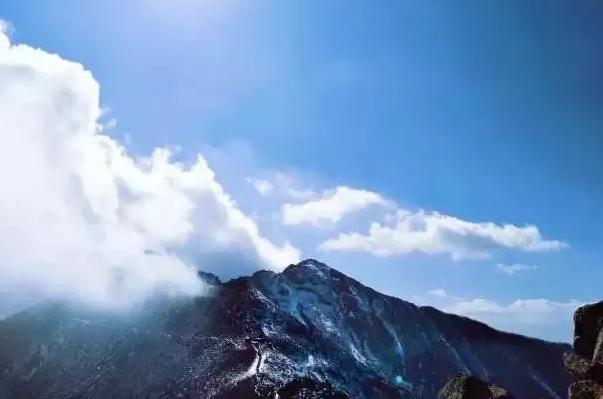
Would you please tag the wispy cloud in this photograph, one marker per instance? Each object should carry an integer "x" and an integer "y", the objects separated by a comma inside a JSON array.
[
  {"x": 438, "y": 292},
  {"x": 515, "y": 268},
  {"x": 531, "y": 316},
  {"x": 528, "y": 311},
  {"x": 434, "y": 233},
  {"x": 262, "y": 186}
]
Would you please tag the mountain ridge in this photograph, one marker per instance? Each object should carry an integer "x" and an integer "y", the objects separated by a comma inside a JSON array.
[
  {"x": 427, "y": 307},
  {"x": 309, "y": 330}
]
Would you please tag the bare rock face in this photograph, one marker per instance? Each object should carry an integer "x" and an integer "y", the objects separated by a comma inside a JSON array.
[
  {"x": 585, "y": 363},
  {"x": 598, "y": 351},
  {"x": 466, "y": 386},
  {"x": 587, "y": 325}
]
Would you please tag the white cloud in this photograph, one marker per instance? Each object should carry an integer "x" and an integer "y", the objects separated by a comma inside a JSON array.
[
  {"x": 438, "y": 292},
  {"x": 540, "y": 317},
  {"x": 331, "y": 207},
  {"x": 5, "y": 30},
  {"x": 523, "y": 311},
  {"x": 84, "y": 220},
  {"x": 515, "y": 268},
  {"x": 297, "y": 194},
  {"x": 262, "y": 186},
  {"x": 290, "y": 186},
  {"x": 281, "y": 186},
  {"x": 435, "y": 233}
]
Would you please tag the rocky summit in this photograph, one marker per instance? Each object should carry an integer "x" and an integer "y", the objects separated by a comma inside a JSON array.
[
  {"x": 585, "y": 362},
  {"x": 308, "y": 332}
]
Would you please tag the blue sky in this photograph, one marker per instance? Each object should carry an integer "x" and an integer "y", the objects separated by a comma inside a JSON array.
[{"x": 484, "y": 111}]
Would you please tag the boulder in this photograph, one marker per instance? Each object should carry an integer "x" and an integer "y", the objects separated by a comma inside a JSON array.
[
  {"x": 499, "y": 393},
  {"x": 466, "y": 386}
]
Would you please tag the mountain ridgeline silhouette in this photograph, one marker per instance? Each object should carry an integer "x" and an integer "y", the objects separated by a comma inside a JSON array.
[{"x": 308, "y": 332}]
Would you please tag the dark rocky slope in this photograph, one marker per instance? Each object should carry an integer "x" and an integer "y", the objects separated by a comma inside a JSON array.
[{"x": 308, "y": 332}]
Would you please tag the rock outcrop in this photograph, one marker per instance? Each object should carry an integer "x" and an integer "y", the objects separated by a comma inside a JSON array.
[
  {"x": 466, "y": 386},
  {"x": 585, "y": 363}
]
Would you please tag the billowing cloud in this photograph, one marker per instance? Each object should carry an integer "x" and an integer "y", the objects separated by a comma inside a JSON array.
[
  {"x": 81, "y": 218},
  {"x": 330, "y": 207},
  {"x": 435, "y": 233},
  {"x": 515, "y": 268}
]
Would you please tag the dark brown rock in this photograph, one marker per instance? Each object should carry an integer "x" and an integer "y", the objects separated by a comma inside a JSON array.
[
  {"x": 465, "y": 386},
  {"x": 597, "y": 373},
  {"x": 499, "y": 393},
  {"x": 578, "y": 366},
  {"x": 586, "y": 362},
  {"x": 587, "y": 324},
  {"x": 584, "y": 389},
  {"x": 598, "y": 351},
  {"x": 597, "y": 360}
]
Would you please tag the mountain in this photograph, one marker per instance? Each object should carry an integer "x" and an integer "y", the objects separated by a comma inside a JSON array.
[{"x": 308, "y": 332}]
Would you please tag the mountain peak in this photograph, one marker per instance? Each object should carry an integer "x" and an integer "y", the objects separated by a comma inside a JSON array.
[
  {"x": 309, "y": 330},
  {"x": 310, "y": 264}
]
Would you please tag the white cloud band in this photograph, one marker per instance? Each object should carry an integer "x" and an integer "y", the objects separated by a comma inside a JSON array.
[{"x": 435, "y": 233}]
